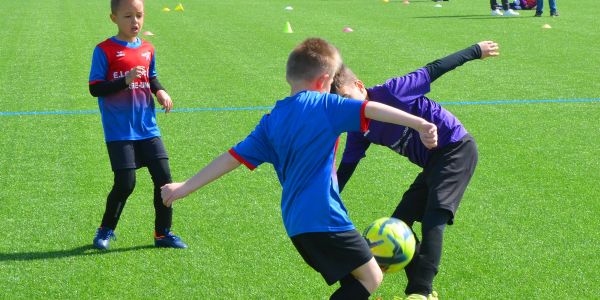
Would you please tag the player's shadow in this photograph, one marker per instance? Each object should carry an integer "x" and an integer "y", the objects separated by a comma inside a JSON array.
[
  {"x": 87, "y": 250},
  {"x": 467, "y": 17}
]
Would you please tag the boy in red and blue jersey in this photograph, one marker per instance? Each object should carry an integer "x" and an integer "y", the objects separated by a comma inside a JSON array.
[
  {"x": 299, "y": 138},
  {"x": 434, "y": 196},
  {"x": 123, "y": 76}
]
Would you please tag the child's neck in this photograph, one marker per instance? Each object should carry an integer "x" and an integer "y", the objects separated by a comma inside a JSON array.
[
  {"x": 129, "y": 39},
  {"x": 304, "y": 87}
]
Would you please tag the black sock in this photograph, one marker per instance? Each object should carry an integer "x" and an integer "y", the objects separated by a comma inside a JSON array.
[
  {"x": 161, "y": 175},
  {"x": 124, "y": 183},
  {"x": 426, "y": 260},
  {"x": 350, "y": 289}
]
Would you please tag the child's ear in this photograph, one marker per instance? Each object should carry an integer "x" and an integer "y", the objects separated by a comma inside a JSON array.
[
  {"x": 321, "y": 83},
  {"x": 113, "y": 18},
  {"x": 361, "y": 86}
]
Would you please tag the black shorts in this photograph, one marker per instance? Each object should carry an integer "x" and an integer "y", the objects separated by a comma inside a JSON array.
[
  {"x": 442, "y": 183},
  {"x": 135, "y": 154},
  {"x": 333, "y": 254}
]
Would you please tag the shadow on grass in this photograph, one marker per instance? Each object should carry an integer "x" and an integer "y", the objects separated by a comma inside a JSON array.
[
  {"x": 470, "y": 17},
  {"x": 87, "y": 250}
]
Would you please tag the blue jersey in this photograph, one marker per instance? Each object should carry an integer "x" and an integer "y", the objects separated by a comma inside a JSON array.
[
  {"x": 406, "y": 93},
  {"x": 299, "y": 137},
  {"x": 128, "y": 114}
]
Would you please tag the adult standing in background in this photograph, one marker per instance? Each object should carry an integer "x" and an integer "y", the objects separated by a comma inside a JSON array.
[{"x": 540, "y": 8}]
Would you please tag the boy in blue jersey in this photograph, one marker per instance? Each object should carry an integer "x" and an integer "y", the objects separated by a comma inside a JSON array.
[
  {"x": 123, "y": 77},
  {"x": 434, "y": 196},
  {"x": 299, "y": 137}
]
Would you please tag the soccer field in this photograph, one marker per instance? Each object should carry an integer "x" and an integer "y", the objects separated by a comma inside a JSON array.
[{"x": 527, "y": 227}]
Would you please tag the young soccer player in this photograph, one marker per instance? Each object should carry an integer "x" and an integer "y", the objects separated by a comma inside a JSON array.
[
  {"x": 299, "y": 138},
  {"x": 123, "y": 77},
  {"x": 434, "y": 196}
]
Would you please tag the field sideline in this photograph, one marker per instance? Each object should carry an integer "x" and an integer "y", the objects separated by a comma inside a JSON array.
[{"x": 527, "y": 227}]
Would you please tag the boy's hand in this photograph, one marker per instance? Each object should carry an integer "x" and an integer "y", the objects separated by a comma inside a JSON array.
[
  {"x": 489, "y": 48},
  {"x": 171, "y": 192},
  {"x": 165, "y": 100},
  {"x": 428, "y": 135},
  {"x": 135, "y": 72}
]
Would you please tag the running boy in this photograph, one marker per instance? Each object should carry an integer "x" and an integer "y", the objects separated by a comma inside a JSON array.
[
  {"x": 299, "y": 138},
  {"x": 435, "y": 194},
  {"x": 123, "y": 77}
]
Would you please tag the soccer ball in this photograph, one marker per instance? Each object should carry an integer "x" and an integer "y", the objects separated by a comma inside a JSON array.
[{"x": 392, "y": 243}]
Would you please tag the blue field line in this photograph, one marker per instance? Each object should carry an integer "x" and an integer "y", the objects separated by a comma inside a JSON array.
[{"x": 259, "y": 108}]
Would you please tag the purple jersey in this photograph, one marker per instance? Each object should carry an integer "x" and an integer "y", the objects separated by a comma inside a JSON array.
[{"x": 407, "y": 94}]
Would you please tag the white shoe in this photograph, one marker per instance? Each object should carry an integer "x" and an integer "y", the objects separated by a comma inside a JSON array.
[
  {"x": 496, "y": 12},
  {"x": 510, "y": 13}
]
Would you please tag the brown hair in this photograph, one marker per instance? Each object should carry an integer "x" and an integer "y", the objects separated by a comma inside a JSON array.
[
  {"x": 114, "y": 5},
  {"x": 312, "y": 58},
  {"x": 343, "y": 77}
]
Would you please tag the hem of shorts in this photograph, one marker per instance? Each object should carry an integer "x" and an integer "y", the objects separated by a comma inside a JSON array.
[{"x": 132, "y": 138}]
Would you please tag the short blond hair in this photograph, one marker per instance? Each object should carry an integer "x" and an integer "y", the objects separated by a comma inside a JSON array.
[{"x": 312, "y": 58}]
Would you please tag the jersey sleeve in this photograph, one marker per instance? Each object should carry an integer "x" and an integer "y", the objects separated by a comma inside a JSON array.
[
  {"x": 255, "y": 149},
  {"x": 356, "y": 147},
  {"x": 99, "y": 67},
  {"x": 410, "y": 86},
  {"x": 346, "y": 114},
  {"x": 152, "y": 72}
]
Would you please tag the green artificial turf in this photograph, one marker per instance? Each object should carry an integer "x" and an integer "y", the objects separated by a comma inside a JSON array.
[{"x": 527, "y": 226}]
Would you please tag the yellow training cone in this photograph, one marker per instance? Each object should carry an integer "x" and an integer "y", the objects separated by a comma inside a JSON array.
[
  {"x": 166, "y": 9},
  {"x": 288, "y": 28},
  {"x": 546, "y": 26},
  {"x": 179, "y": 7}
]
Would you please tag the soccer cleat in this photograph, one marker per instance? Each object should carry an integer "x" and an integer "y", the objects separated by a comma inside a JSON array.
[
  {"x": 554, "y": 14},
  {"x": 168, "y": 240},
  {"x": 510, "y": 13},
  {"x": 538, "y": 14},
  {"x": 103, "y": 237},
  {"x": 432, "y": 296},
  {"x": 496, "y": 12}
]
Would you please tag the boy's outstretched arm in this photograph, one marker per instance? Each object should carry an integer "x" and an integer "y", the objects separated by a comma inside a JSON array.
[
  {"x": 217, "y": 168},
  {"x": 481, "y": 50},
  {"x": 381, "y": 112}
]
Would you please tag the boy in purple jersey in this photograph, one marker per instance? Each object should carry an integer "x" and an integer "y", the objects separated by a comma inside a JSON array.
[
  {"x": 299, "y": 138},
  {"x": 123, "y": 77},
  {"x": 434, "y": 196}
]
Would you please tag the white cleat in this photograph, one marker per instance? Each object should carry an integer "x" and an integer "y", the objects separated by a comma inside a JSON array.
[
  {"x": 510, "y": 13},
  {"x": 496, "y": 12}
]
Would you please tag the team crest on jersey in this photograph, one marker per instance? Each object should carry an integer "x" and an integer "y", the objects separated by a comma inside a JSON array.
[
  {"x": 146, "y": 55},
  {"x": 120, "y": 54}
]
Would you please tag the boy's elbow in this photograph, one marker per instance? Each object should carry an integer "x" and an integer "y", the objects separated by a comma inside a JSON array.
[{"x": 93, "y": 90}]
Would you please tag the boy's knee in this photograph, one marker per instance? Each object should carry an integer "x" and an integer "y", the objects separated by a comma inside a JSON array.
[
  {"x": 369, "y": 275},
  {"x": 124, "y": 181}
]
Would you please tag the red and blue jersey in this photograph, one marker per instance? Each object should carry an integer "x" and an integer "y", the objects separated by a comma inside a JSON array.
[
  {"x": 299, "y": 137},
  {"x": 128, "y": 114},
  {"x": 406, "y": 93}
]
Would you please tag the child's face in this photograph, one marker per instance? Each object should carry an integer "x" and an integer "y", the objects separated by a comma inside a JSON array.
[
  {"x": 129, "y": 18},
  {"x": 354, "y": 90}
]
